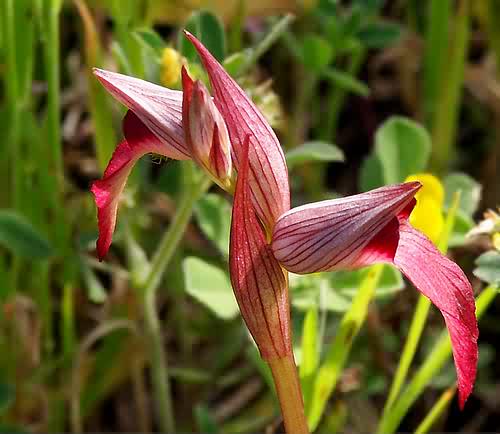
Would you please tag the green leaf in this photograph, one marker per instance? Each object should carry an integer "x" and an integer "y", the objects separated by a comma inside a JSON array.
[
  {"x": 461, "y": 226},
  {"x": 371, "y": 174},
  {"x": 235, "y": 62},
  {"x": 313, "y": 151},
  {"x": 151, "y": 39},
  {"x": 214, "y": 216},
  {"x": 403, "y": 148},
  {"x": 317, "y": 53},
  {"x": 379, "y": 35},
  {"x": 348, "y": 282},
  {"x": 211, "y": 287},
  {"x": 205, "y": 421},
  {"x": 7, "y": 395},
  {"x": 470, "y": 192},
  {"x": 21, "y": 238},
  {"x": 209, "y": 30},
  {"x": 488, "y": 268},
  {"x": 309, "y": 352},
  {"x": 346, "y": 81}
]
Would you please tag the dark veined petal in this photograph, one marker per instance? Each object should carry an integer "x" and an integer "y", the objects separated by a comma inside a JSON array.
[
  {"x": 138, "y": 141},
  {"x": 445, "y": 284},
  {"x": 159, "y": 108},
  {"x": 312, "y": 238},
  {"x": 259, "y": 283},
  {"x": 268, "y": 175},
  {"x": 206, "y": 132},
  {"x": 336, "y": 234}
]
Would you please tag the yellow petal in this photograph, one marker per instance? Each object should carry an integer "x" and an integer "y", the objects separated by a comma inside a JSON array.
[
  {"x": 171, "y": 64},
  {"x": 428, "y": 218},
  {"x": 431, "y": 187}
]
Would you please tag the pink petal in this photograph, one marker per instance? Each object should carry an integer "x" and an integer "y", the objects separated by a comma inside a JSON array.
[
  {"x": 259, "y": 283},
  {"x": 138, "y": 141},
  {"x": 336, "y": 234},
  {"x": 159, "y": 108},
  {"x": 445, "y": 284},
  {"x": 206, "y": 132},
  {"x": 268, "y": 171}
]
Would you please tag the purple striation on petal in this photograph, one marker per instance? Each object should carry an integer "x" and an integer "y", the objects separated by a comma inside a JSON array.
[
  {"x": 268, "y": 175},
  {"x": 259, "y": 283},
  {"x": 159, "y": 108},
  {"x": 333, "y": 234}
]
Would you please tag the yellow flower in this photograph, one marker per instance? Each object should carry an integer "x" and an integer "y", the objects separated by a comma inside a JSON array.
[
  {"x": 496, "y": 240},
  {"x": 171, "y": 64},
  {"x": 427, "y": 216}
]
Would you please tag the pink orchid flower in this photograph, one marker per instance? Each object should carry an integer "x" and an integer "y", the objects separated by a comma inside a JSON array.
[{"x": 228, "y": 132}]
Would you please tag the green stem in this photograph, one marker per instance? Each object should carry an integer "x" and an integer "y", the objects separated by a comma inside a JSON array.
[
  {"x": 287, "y": 385},
  {"x": 419, "y": 317},
  {"x": 161, "y": 259},
  {"x": 338, "y": 352},
  {"x": 437, "y": 410},
  {"x": 440, "y": 354},
  {"x": 276, "y": 31}
]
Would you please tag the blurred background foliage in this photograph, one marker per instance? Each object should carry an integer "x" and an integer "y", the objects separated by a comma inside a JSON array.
[{"x": 362, "y": 93}]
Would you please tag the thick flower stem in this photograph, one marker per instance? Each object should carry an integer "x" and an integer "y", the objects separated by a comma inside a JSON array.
[
  {"x": 287, "y": 385},
  {"x": 168, "y": 245}
]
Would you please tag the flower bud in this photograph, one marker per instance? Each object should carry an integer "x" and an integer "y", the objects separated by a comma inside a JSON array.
[{"x": 206, "y": 132}]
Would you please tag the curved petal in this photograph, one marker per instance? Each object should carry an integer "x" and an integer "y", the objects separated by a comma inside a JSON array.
[
  {"x": 159, "y": 108},
  {"x": 445, "y": 284},
  {"x": 138, "y": 141},
  {"x": 336, "y": 234},
  {"x": 259, "y": 283},
  {"x": 268, "y": 175}
]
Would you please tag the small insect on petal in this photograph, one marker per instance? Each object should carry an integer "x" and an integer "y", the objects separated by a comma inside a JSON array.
[
  {"x": 259, "y": 283},
  {"x": 138, "y": 142}
]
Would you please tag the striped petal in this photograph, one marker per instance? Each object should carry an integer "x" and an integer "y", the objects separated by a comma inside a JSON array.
[
  {"x": 159, "y": 108},
  {"x": 445, "y": 284},
  {"x": 138, "y": 141},
  {"x": 259, "y": 283},
  {"x": 205, "y": 131},
  {"x": 268, "y": 176},
  {"x": 373, "y": 227},
  {"x": 336, "y": 234}
]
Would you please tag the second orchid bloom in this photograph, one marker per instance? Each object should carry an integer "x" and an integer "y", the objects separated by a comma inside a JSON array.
[{"x": 227, "y": 135}]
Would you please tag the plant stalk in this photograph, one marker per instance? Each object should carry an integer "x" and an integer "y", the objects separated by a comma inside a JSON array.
[
  {"x": 161, "y": 259},
  {"x": 287, "y": 385}
]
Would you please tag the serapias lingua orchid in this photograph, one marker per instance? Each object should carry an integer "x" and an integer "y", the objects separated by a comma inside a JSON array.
[{"x": 344, "y": 233}]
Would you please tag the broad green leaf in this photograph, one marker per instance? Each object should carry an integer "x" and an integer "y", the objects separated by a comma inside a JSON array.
[
  {"x": 348, "y": 282},
  {"x": 470, "y": 192},
  {"x": 235, "y": 62},
  {"x": 20, "y": 237},
  {"x": 488, "y": 268},
  {"x": 209, "y": 30},
  {"x": 371, "y": 174},
  {"x": 346, "y": 81},
  {"x": 211, "y": 287},
  {"x": 151, "y": 39},
  {"x": 461, "y": 226},
  {"x": 313, "y": 151},
  {"x": 213, "y": 213},
  {"x": 317, "y": 53},
  {"x": 379, "y": 35},
  {"x": 403, "y": 148}
]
